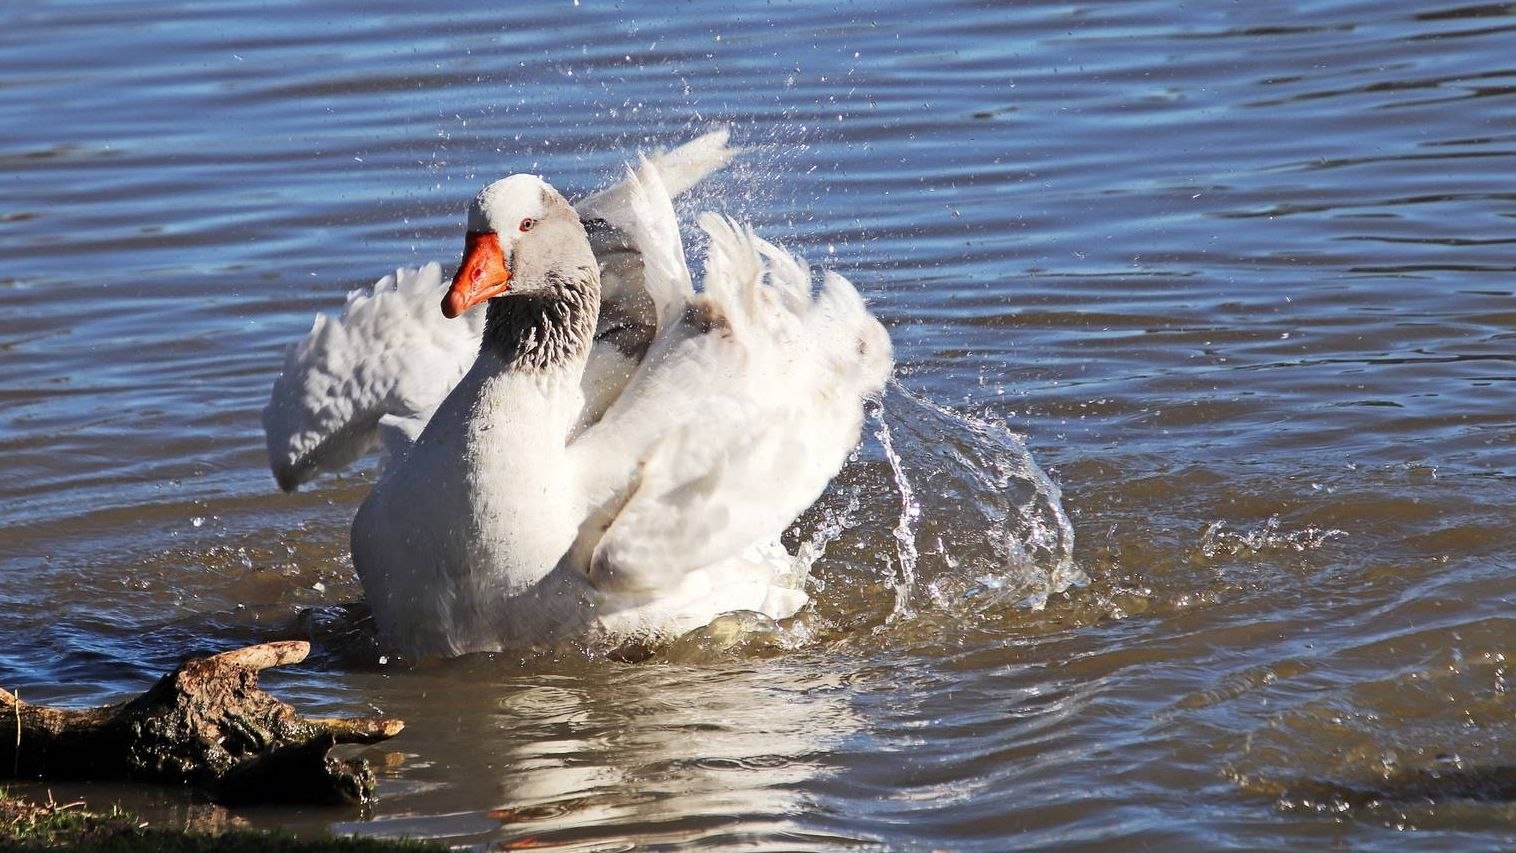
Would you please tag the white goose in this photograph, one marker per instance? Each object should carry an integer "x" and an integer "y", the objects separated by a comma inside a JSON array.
[{"x": 529, "y": 511}]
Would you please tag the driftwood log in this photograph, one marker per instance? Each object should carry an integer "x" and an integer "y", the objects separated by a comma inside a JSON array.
[{"x": 205, "y": 724}]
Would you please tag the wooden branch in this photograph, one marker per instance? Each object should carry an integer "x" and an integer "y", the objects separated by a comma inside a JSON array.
[{"x": 206, "y": 724}]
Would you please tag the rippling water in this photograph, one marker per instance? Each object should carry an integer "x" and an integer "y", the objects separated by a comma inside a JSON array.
[{"x": 1238, "y": 275}]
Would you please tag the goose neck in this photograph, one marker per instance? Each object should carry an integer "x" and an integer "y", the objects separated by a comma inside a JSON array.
[{"x": 547, "y": 327}]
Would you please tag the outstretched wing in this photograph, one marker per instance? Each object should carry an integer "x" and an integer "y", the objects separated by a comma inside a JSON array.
[
  {"x": 380, "y": 368},
  {"x": 389, "y": 356},
  {"x": 746, "y": 405},
  {"x": 680, "y": 169}
]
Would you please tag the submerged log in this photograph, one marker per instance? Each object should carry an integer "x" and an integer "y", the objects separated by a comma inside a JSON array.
[{"x": 205, "y": 724}]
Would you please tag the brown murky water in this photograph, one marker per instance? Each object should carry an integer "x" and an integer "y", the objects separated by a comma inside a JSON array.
[{"x": 1241, "y": 274}]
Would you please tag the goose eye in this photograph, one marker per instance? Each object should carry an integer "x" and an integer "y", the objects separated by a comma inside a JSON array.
[{"x": 526, "y": 224}]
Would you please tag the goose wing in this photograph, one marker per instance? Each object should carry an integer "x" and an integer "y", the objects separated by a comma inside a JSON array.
[{"x": 746, "y": 405}]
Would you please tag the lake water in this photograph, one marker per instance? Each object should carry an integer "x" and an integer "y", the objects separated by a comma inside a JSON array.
[{"x": 1242, "y": 274}]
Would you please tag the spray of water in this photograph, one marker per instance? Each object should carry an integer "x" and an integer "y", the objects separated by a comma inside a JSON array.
[
  {"x": 977, "y": 516},
  {"x": 906, "y": 553}
]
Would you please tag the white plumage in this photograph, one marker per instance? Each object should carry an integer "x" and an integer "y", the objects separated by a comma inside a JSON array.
[
  {"x": 601, "y": 493},
  {"x": 380, "y": 369}
]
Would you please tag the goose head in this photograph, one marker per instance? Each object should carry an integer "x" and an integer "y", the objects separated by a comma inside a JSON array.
[{"x": 520, "y": 229}]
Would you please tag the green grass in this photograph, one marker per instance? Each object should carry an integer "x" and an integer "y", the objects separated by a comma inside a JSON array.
[{"x": 27, "y": 826}]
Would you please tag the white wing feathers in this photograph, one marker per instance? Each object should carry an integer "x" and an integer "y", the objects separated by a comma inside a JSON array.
[
  {"x": 382, "y": 367},
  {"x": 680, "y": 169},
  {"x": 390, "y": 356},
  {"x": 745, "y": 407},
  {"x": 654, "y": 228}
]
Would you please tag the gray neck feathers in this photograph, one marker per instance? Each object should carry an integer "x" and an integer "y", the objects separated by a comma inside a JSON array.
[{"x": 547, "y": 327}]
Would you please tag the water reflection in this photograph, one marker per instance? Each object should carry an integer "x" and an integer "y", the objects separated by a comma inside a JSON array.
[{"x": 588, "y": 752}]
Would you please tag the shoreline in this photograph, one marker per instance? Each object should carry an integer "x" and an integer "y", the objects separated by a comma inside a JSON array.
[{"x": 26, "y": 824}]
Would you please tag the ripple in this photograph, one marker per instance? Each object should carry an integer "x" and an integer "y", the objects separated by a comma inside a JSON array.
[{"x": 1181, "y": 294}]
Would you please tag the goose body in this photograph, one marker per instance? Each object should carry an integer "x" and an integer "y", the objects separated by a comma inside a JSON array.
[{"x": 569, "y": 485}]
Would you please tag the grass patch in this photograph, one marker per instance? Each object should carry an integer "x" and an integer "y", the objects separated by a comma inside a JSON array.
[{"x": 28, "y": 826}]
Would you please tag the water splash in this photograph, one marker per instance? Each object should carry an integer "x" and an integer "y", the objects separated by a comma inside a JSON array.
[
  {"x": 977, "y": 518},
  {"x": 834, "y": 522},
  {"x": 906, "y": 553},
  {"x": 1218, "y": 541}
]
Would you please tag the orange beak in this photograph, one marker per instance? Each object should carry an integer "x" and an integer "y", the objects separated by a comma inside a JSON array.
[{"x": 481, "y": 276}]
